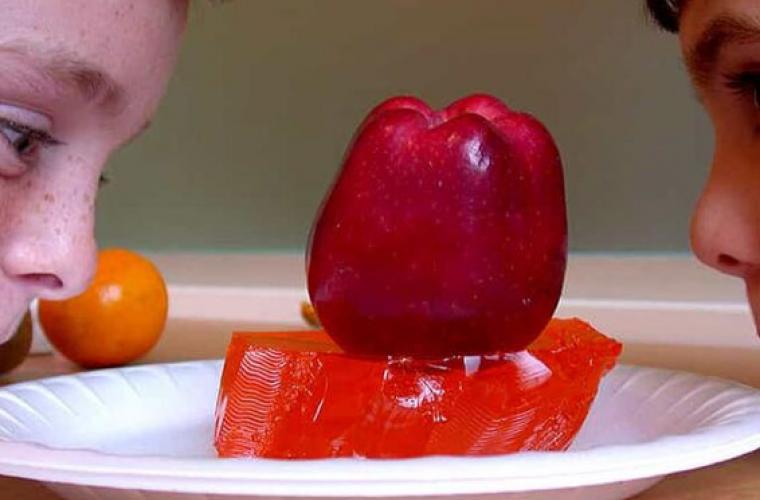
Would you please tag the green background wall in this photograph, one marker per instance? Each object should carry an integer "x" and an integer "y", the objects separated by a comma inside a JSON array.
[{"x": 268, "y": 93}]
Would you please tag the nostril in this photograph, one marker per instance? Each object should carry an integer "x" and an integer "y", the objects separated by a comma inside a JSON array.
[
  {"x": 43, "y": 280},
  {"x": 727, "y": 260}
]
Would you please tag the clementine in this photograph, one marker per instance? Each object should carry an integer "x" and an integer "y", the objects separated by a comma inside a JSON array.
[{"x": 118, "y": 319}]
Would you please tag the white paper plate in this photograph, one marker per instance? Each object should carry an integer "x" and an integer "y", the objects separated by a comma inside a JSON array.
[{"x": 149, "y": 428}]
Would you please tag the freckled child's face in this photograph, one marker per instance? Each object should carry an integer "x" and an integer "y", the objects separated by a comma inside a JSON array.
[
  {"x": 78, "y": 78},
  {"x": 721, "y": 45}
]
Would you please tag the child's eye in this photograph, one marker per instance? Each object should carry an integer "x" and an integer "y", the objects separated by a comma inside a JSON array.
[
  {"x": 24, "y": 140},
  {"x": 745, "y": 84},
  {"x": 20, "y": 140}
]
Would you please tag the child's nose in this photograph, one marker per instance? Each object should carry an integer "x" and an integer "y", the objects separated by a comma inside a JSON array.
[
  {"x": 42, "y": 280},
  {"x": 49, "y": 270},
  {"x": 725, "y": 230}
]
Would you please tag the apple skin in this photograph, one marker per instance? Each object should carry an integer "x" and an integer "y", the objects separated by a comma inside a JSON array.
[{"x": 444, "y": 233}]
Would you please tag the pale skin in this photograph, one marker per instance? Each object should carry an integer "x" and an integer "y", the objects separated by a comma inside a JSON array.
[
  {"x": 721, "y": 45},
  {"x": 78, "y": 79}
]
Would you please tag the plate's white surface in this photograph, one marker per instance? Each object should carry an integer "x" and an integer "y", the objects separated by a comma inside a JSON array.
[{"x": 150, "y": 428}]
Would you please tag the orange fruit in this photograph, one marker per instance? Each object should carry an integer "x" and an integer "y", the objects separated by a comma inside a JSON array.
[
  {"x": 118, "y": 319},
  {"x": 309, "y": 315}
]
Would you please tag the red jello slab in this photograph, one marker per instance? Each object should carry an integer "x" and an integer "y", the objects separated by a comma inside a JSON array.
[{"x": 295, "y": 395}]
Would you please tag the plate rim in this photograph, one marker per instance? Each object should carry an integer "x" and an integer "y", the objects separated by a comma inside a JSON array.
[{"x": 254, "y": 476}]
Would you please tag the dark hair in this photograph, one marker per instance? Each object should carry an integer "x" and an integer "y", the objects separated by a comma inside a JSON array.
[{"x": 666, "y": 13}]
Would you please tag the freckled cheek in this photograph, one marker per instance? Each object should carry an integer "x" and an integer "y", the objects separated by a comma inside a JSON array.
[
  {"x": 72, "y": 223},
  {"x": 68, "y": 201},
  {"x": 73, "y": 209},
  {"x": 58, "y": 197}
]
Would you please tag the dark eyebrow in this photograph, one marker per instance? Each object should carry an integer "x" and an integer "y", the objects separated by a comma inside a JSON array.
[
  {"x": 93, "y": 84},
  {"x": 724, "y": 30}
]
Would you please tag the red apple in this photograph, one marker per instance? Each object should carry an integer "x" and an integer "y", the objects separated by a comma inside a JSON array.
[{"x": 444, "y": 233}]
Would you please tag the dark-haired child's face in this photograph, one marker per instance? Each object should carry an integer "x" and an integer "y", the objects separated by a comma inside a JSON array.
[{"x": 721, "y": 45}]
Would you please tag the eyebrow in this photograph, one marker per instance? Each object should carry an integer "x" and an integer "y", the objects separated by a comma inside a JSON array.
[
  {"x": 724, "y": 30},
  {"x": 91, "y": 83}
]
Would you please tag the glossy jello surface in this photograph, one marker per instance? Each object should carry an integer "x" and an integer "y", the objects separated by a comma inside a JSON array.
[{"x": 296, "y": 395}]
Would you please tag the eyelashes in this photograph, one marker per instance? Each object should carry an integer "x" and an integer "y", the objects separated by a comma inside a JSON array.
[
  {"x": 25, "y": 143},
  {"x": 23, "y": 140},
  {"x": 745, "y": 84}
]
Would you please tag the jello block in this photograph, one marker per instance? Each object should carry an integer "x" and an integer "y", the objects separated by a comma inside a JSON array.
[{"x": 295, "y": 395}]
